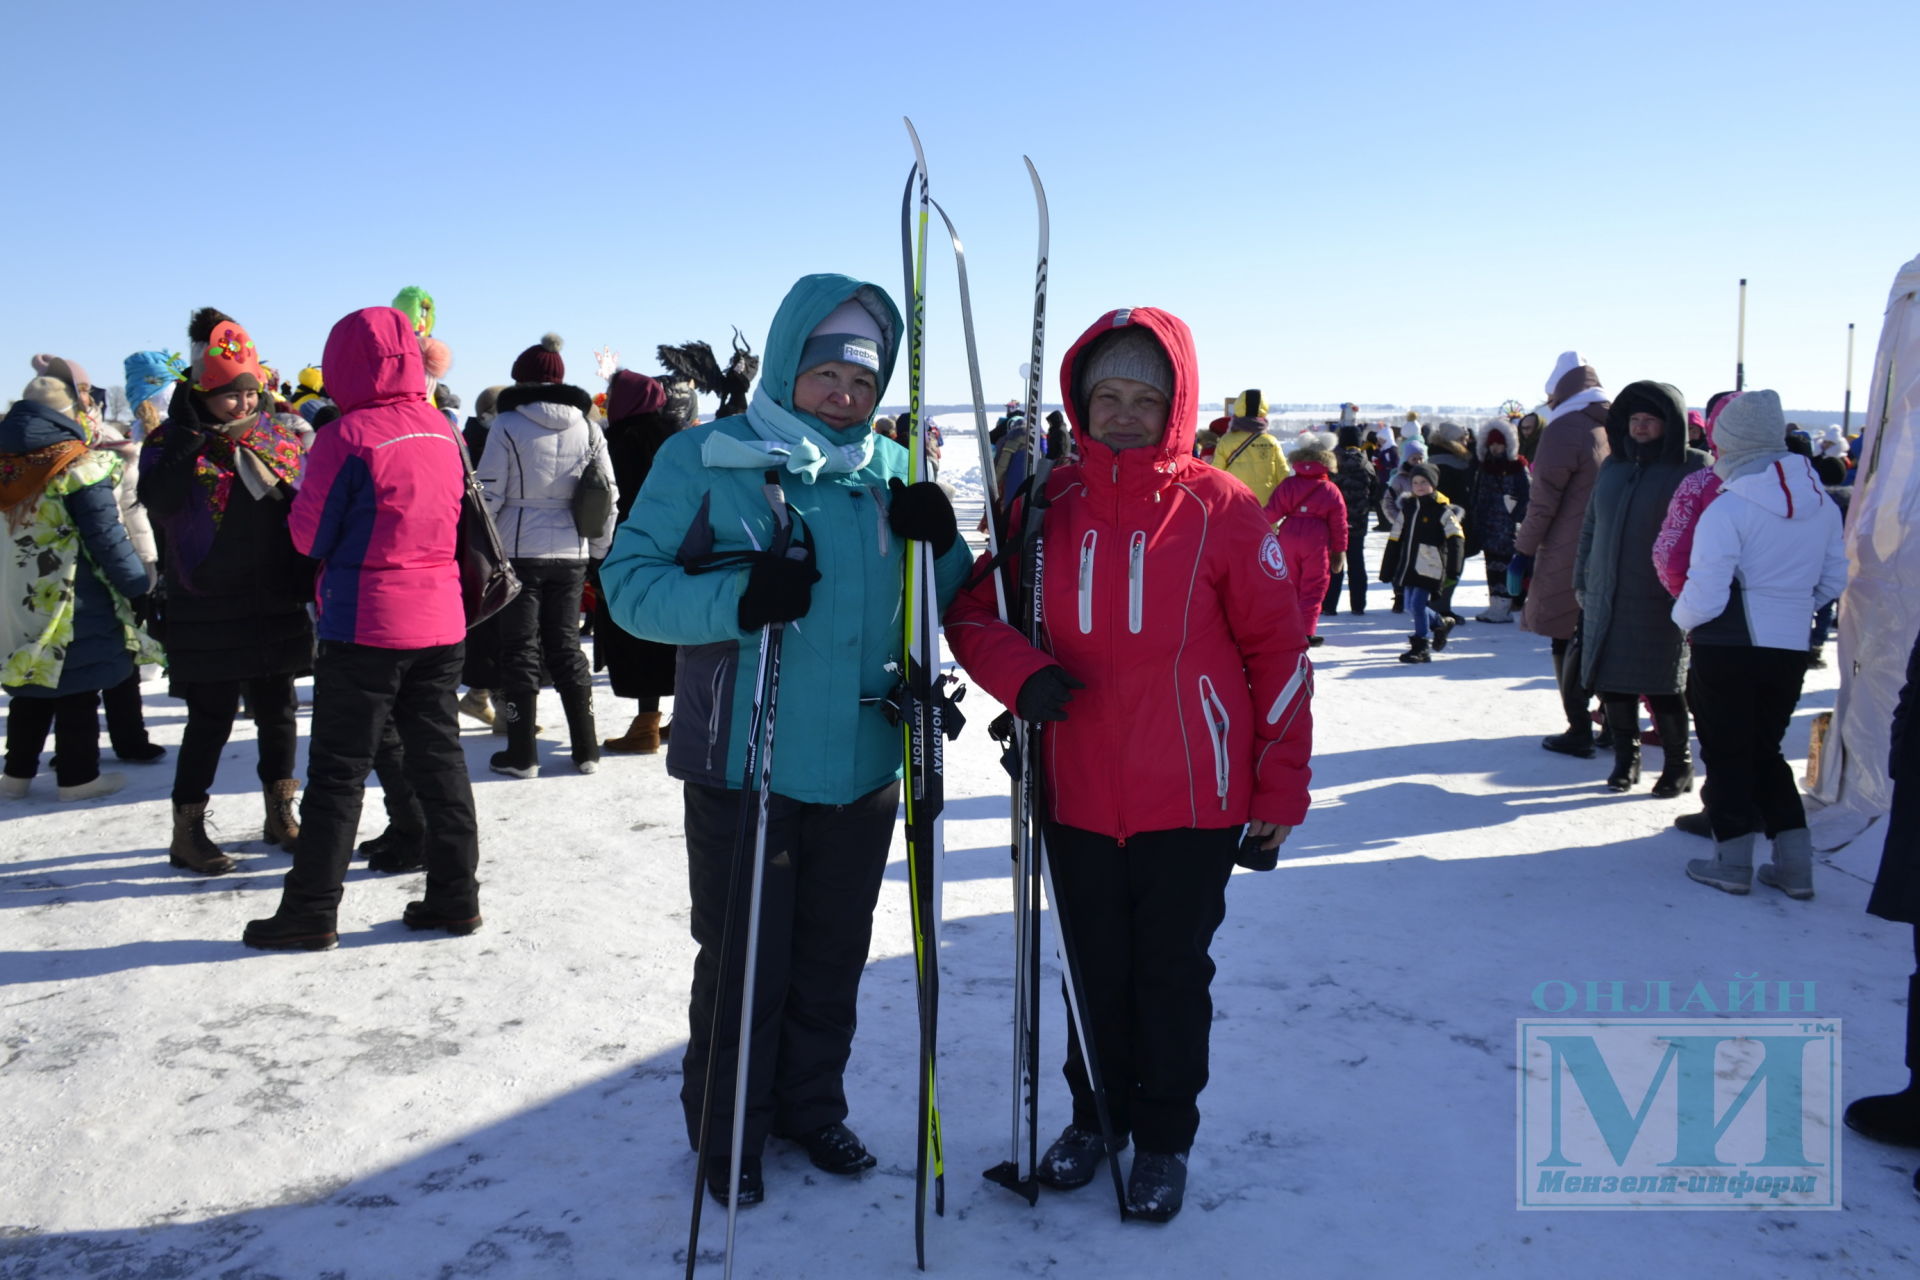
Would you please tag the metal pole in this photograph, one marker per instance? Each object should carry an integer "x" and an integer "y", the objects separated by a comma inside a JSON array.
[
  {"x": 1740, "y": 349},
  {"x": 1846, "y": 414}
]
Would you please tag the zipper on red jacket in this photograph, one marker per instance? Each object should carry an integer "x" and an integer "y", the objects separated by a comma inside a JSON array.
[{"x": 1136, "y": 580}]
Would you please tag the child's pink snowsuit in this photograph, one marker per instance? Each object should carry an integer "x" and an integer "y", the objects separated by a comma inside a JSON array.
[{"x": 1313, "y": 524}]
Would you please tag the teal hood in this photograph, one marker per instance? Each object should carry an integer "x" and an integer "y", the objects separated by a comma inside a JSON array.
[{"x": 811, "y": 300}]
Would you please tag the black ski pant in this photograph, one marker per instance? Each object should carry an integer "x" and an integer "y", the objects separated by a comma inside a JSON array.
[
  {"x": 1743, "y": 700},
  {"x": 75, "y": 722},
  {"x": 126, "y": 718},
  {"x": 397, "y": 792},
  {"x": 824, "y": 866},
  {"x": 543, "y": 621},
  {"x": 1354, "y": 575},
  {"x": 356, "y": 690},
  {"x": 211, "y": 709},
  {"x": 1142, "y": 916}
]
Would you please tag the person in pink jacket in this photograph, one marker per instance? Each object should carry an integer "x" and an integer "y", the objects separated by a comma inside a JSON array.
[
  {"x": 1312, "y": 519},
  {"x": 379, "y": 508}
]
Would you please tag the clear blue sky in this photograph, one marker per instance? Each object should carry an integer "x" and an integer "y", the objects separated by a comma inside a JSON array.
[{"x": 1399, "y": 202}]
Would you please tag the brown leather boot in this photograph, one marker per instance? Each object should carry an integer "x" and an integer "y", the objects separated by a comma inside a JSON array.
[
  {"x": 283, "y": 819},
  {"x": 191, "y": 849},
  {"x": 642, "y": 737}
]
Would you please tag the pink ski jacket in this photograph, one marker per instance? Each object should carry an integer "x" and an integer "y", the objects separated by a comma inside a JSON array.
[{"x": 379, "y": 505}]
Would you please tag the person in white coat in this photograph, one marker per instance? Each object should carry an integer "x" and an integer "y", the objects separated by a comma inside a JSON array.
[
  {"x": 541, "y": 443},
  {"x": 1767, "y": 553}
]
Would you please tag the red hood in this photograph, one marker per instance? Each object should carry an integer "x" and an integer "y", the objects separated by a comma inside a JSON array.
[
  {"x": 1184, "y": 405},
  {"x": 1309, "y": 468},
  {"x": 372, "y": 356}
]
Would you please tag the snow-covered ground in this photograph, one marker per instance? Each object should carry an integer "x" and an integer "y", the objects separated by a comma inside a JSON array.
[{"x": 506, "y": 1104}]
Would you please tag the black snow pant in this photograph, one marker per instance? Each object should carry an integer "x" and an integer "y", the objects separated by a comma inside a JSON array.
[
  {"x": 397, "y": 792},
  {"x": 1743, "y": 701},
  {"x": 824, "y": 865},
  {"x": 75, "y": 722},
  {"x": 126, "y": 718},
  {"x": 356, "y": 690},
  {"x": 1142, "y": 916},
  {"x": 1353, "y": 576},
  {"x": 543, "y": 621},
  {"x": 211, "y": 709}
]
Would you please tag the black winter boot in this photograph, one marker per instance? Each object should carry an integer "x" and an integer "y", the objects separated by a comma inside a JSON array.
[
  {"x": 1416, "y": 650},
  {"x": 1157, "y": 1185},
  {"x": 520, "y": 759},
  {"x": 1894, "y": 1118},
  {"x": 1623, "y": 717},
  {"x": 393, "y": 853},
  {"x": 581, "y": 730},
  {"x": 1695, "y": 824},
  {"x": 834, "y": 1148},
  {"x": 1074, "y": 1158},
  {"x": 1676, "y": 751},
  {"x": 753, "y": 1185},
  {"x": 1578, "y": 739}
]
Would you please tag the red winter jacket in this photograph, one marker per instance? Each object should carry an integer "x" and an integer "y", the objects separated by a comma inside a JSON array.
[
  {"x": 1166, "y": 594},
  {"x": 1310, "y": 509}
]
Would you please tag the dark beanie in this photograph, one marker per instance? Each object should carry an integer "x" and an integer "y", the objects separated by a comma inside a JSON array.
[
  {"x": 541, "y": 362},
  {"x": 1349, "y": 437},
  {"x": 629, "y": 393},
  {"x": 1426, "y": 469}
]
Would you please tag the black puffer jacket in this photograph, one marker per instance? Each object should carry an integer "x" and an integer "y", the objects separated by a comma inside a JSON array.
[
  {"x": 1359, "y": 484},
  {"x": 1629, "y": 641}
]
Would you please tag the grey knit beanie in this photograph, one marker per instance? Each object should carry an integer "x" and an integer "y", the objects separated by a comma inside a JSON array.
[{"x": 1131, "y": 352}]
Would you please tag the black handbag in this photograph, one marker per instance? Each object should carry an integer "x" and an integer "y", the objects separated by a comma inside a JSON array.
[
  {"x": 592, "y": 501},
  {"x": 487, "y": 579}
]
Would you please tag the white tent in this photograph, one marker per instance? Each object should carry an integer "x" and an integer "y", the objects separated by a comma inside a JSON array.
[{"x": 1880, "y": 612}]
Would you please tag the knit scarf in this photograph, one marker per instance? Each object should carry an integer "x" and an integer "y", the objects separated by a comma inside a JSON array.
[
  {"x": 260, "y": 455},
  {"x": 791, "y": 441}
]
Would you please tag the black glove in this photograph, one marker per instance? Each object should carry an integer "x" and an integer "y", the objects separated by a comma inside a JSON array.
[
  {"x": 778, "y": 590},
  {"x": 921, "y": 512},
  {"x": 141, "y": 607},
  {"x": 1046, "y": 694}
]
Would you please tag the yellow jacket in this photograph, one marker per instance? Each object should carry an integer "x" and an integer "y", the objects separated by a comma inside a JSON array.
[{"x": 1255, "y": 459}]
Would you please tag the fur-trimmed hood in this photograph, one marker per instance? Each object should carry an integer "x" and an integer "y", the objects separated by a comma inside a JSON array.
[
  {"x": 522, "y": 394},
  {"x": 1304, "y": 460}
]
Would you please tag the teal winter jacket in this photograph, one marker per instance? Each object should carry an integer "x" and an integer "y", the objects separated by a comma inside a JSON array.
[{"x": 833, "y": 742}]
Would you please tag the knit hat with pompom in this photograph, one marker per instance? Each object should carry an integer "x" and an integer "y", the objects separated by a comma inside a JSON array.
[{"x": 541, "y": 362}]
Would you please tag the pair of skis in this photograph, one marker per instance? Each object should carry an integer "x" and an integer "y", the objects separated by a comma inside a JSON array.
[
  {"x": 1031, "y": 873},
  {"x": 1017, "y": 560}
]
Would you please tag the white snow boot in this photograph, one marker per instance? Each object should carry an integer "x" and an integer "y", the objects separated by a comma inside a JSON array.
[
  {"x": 1731, "y": 867},
  {"x": 1791, "y": 871},
  {"x": 1501, "y": 610}
]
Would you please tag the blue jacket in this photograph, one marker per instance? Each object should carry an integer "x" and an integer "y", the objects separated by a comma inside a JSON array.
[
  {"x": 832, "y": 742},
  {"x": 100, "y": 653}
]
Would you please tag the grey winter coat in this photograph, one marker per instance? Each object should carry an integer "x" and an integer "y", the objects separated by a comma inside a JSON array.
[{"x": 1629, "y": 643}]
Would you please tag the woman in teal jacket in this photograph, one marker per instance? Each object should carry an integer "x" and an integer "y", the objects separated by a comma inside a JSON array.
[{"x": 836, "y": 759}]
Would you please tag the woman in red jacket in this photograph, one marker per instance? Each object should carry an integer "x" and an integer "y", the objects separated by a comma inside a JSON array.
[
  {"x": 1174, "y": 663},
  {"x": 1311, "y": 516}
]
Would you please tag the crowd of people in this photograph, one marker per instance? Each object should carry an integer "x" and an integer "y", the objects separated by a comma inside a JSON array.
[{"x": 247, "y": 532}]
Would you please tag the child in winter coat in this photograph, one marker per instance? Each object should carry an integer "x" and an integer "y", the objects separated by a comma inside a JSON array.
[
  {"x": 1399, "y": 485},
  {"x": 1425, "y": 552},
  {"x": 1312, "y": 527}
]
